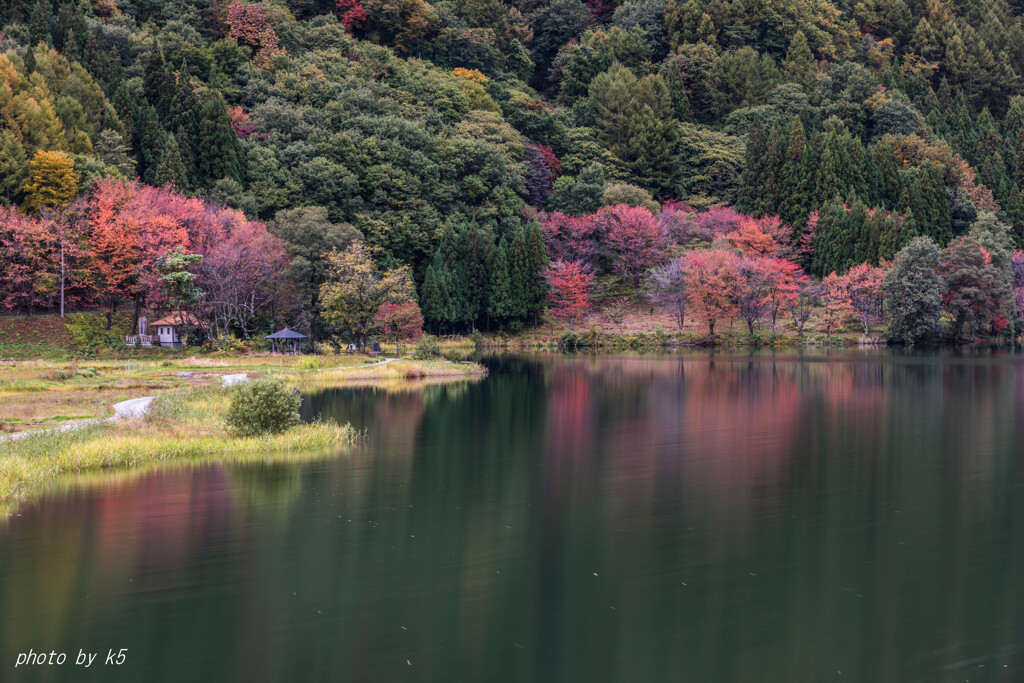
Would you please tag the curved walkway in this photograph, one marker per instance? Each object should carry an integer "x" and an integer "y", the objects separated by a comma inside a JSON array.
[{"x": 132, "y": 409}]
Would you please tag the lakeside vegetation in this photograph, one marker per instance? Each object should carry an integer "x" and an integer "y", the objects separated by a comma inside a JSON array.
[
  {"x": 183, "y": 426},
  {"x": 362, "y": 170}
]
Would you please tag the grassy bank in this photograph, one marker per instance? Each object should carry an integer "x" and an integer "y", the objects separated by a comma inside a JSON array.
[
  {"x": 181, "y": 427},
  {"x": 42, "y": 393}
]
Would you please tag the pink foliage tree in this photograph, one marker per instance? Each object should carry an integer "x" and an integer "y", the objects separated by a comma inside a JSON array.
[
  {"x": 634, "y": 241},
  {"x": 569, "y": 285},
  {"x": 248, "y": 24},
  {"x": 571, "y": 238},
  {"x": 713, "y": 284}
]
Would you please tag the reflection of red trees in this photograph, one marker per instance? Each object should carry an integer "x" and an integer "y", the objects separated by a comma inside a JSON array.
[
  {"x": 728, "y": 430},
  {"x": 570, "y": 418},
  {"x": 169, "y": 518}
]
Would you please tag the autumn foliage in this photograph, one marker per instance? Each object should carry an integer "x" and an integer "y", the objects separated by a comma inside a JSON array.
[
  {"x": 112, "y": 241},
  {"x": 569, "y": 286}
]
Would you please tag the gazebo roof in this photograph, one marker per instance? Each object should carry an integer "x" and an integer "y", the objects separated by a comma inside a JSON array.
[{"x": 286, "y": 334}]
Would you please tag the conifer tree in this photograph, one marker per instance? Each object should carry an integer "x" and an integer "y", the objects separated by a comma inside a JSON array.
[
  {"x": 159, "y": 83},
  {"x": 474, "y": 270},
  {"x": 538, "y": 262},
  {"x": 753, "y": 167},
  {"x": 796, "y": 176},
  {"x": 171, "y": 168},
  {"x": 221, "y": 151},
  {"x": 519, "y": 272},
  {"x": 799, "y": 63},
  {"x": 430, "y": 304},
  {"x": 769, "y": 191},
  {"x": 149, "y": 142},
  {"x": 499, "y": 304}
]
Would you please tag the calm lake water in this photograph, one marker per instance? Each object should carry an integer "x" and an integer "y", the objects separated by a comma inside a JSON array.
[{"x": 847, "y": 517}]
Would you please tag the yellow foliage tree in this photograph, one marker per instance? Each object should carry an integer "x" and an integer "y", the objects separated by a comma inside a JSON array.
[{"x": 52, "y": 181}]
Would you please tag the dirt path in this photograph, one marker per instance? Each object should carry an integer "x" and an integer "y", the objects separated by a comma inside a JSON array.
[{"x": 132, "y": 409}]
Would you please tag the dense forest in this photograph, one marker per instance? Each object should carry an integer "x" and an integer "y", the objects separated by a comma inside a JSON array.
[{"x": 500, "y": 155}]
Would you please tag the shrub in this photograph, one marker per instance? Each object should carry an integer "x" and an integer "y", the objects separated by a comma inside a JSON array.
[
  {"x": 428, "y": 347},
  {"x": 89, "y": 332},
  {"x": 571, "y": 341},
  {"x": 263, "y": 406}
]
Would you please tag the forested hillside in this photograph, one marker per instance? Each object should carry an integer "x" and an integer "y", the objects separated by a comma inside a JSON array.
[{"x": 475, "y": 140}]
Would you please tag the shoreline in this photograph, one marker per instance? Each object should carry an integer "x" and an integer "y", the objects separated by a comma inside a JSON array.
[{"x": 186, "y": 425}]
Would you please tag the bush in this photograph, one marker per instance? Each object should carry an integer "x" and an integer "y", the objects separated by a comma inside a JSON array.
[
  {"x": 427, "y": 347},
  {"x": 263, "y": 406},
  {"x": 571, "y": 341},
  {"x": 89, "y": 332}
]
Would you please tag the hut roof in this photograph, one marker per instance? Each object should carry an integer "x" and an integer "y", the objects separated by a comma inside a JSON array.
[
  {"x": 286, "y": 334},
  {"x": 178, "y": 318}
]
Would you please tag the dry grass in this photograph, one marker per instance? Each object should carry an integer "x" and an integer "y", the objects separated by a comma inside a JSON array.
[
  {"x": 182, "y": 427},
  {"x": 396, "y": 371}
]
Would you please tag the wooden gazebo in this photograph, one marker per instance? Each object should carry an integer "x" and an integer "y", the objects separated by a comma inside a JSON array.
[{"x": 286, "y": 341}]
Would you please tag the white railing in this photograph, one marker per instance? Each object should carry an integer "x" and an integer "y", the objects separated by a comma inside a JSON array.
[{"x": 142, "y": 339}]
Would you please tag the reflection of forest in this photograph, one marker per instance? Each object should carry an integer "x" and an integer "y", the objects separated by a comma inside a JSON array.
[{"x": 725, "y": 517}]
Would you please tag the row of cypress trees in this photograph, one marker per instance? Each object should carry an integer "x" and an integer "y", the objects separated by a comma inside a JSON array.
[
  {"x": 482, "y": 276},
  {"x": 180, "y": 133},
  {"x": 790, "y": 174}
]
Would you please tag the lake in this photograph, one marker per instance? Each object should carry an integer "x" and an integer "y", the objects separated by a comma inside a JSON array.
[{"x": 853, "y": 515}]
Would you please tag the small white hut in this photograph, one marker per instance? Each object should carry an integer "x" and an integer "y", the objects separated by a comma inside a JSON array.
[{"x": 170, "y": 330}]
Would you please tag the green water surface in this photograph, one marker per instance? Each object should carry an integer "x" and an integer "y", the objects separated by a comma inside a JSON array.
[{"x": 854, "y": 516}]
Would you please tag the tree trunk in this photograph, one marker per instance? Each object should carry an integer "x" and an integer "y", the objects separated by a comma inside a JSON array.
[{"x": 62, "y": 277}]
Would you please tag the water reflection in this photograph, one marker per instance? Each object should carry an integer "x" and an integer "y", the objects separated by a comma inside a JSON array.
[{"x": 700, "y": 517}]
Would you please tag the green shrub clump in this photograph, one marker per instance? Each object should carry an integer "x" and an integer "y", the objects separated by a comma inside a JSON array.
[
  {"x": 264, "y": 406},
  {"x": 427, "y": 347}
]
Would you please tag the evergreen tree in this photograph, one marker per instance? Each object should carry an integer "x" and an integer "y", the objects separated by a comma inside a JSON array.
[
  {"x": 159, "y": 84},
  {"x": 474, "y": 270},
  {"x": 913, "y": 293},
  {"x": 170, "y": 169},
  {"x": 499, "y": 303},
  {"x": 221, "y": 151},
  {"x": 651, "y": 152},
  {"x": 799, "y": 64},
  {"x": 38, "y": 24},
  {"x": 519, "y": 272},
  {"x": 769, "y": 193},
  {"x": 186, "y": 118},
  {"x": 796, "y": 176},
  {"x": 747, "y": 199},
  {"x": 431, "y": 305},
  {"x": 150, "y": 137},
  {"x": 537, "y": 259}
]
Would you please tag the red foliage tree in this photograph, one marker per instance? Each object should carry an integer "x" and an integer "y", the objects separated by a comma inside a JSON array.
[
  {"x": 713, "y": 284},
  {"x": 864, "y": 284},
  {"x": 634, "y": 241},
  {"x": 569, "y": 286},
  {"x": 351, "y": 14},
  {"x": 838, "y": 308},
  {"x": 241, "y": 272},
  {"x": 784, "y": 281},
  {"x": 26, "y": 258},
  {"x": 240, "y": 122},
  {"x": 248, "y": 24},
  {"x": 750, "y": 239},
  {"x": 571, "y": 238},
  {"x": 400, "y": 321},
  {"x": 542, "y": 167}
]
